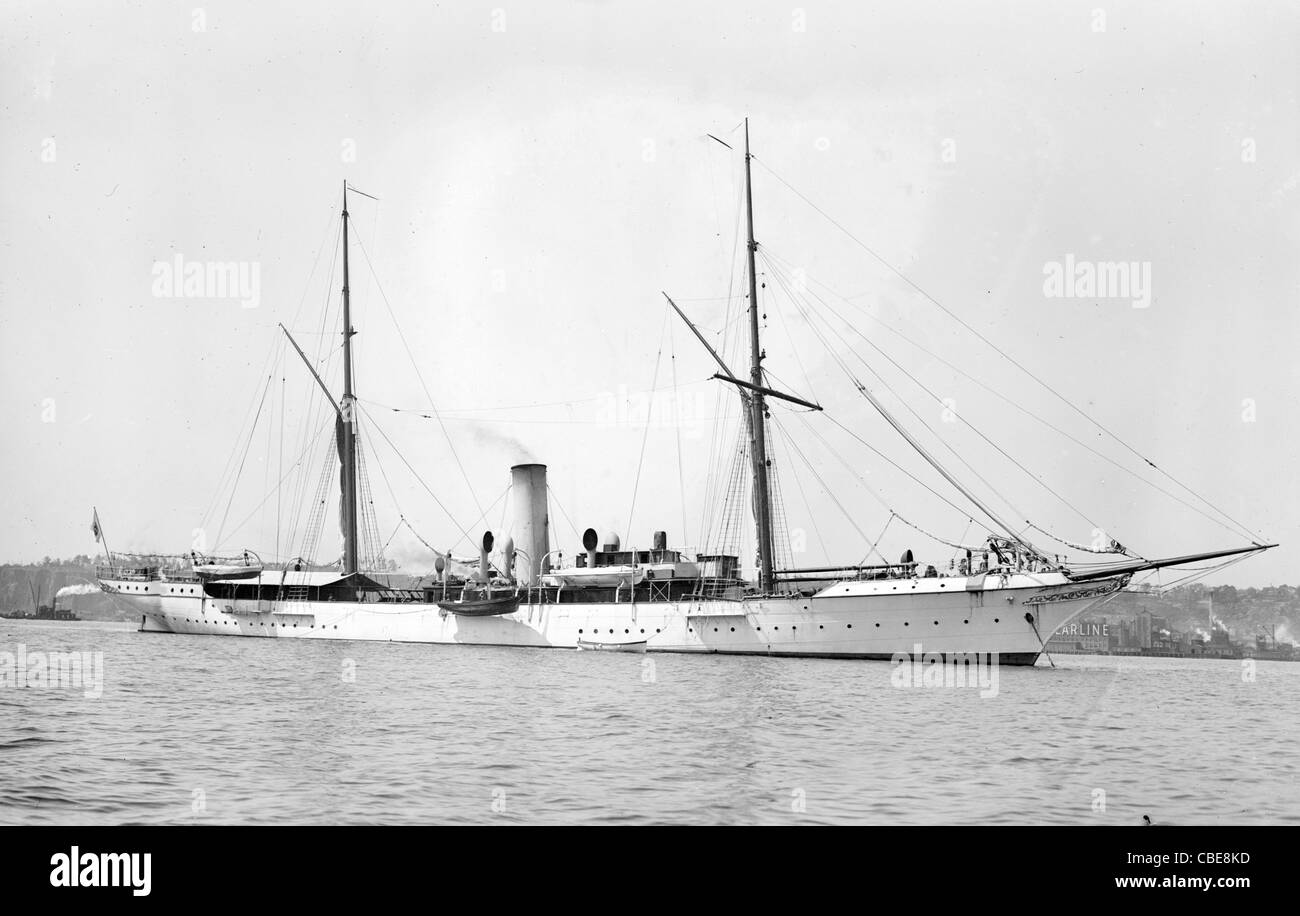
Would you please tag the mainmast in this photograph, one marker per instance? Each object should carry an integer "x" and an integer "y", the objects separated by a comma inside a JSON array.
[
  {"x": 346, "y": 427},
  {"x": 758, "y": 427}
]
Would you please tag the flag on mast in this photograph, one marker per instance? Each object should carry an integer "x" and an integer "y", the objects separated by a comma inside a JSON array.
[{"x": 97, "y": 531}]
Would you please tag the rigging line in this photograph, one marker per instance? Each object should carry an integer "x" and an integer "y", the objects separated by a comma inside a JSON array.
[
  {"x": 313, "y": 405},
  {"x": 969, "y": 522},
  {"x": 715, "y": 483},
  {"x": 392, "y": 495},
  {"x": 234, "y": 450},
  {"x": 572, "y": 527},
  {"x": 920, "y": 449},
  {"x": 270, "y": 437},
  {"x": 1004, "y": 354},
  {"x": 839, "y": 361},
  {"x": 875, "y": 546},
  {"x": 279, "y": 469},
  {"x": 505, "y": 506},
  {"x": 1037, "y": 479},
  {"x": 382, "y": 473},
  {"x": 490, "y": 507},
  {"x": 417, "y": 476},
  {"x": 807, "y": 507},
  {"x": 235, "y": 486},
  {"x": 894, "y": 464},
  {"x": 406, "y": 346},
  {"x": 785, "y": 325},
  {"x": 216, "y": 543},
  {"x": 645, "y": 437},
  {"x": 431, "y": 548},
  {"x": 396, "y": 528},
  {"x": 880, "y": 499},
  {"x": 472, "y": 410},
  {"x": 1015, "y": 404},
  {"x": 934, "y": 462},
  {"x": 279, "y": 486},
  {"x": 325, "y": 454},
  {"x": 1187, "y": 580},
  {"x": 681, "y": 476},
  {"x": 847, "y": 515},
  {"x": 1117, "y": 547},
  {"x": 329, "y": 221}
]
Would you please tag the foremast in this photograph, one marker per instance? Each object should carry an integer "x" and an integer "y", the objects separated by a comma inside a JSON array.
[
  {"x": 757, "y": 406},
  {"x": 346, "y": 421}
]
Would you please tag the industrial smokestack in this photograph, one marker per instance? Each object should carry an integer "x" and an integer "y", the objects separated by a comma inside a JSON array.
[{"x": 531, "y": 525}]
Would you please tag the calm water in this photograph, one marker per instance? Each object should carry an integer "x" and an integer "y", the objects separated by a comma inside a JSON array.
[{"x": 271, "y": 731}]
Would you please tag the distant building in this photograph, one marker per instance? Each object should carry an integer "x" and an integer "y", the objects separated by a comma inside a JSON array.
[{"x": 1082, "y": 636}]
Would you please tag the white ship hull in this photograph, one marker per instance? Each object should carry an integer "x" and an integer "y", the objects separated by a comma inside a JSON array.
[{"x": 873, "y": 620}]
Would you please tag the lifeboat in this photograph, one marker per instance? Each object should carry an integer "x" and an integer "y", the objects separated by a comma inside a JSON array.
[
  {"x": 607, "y": 576},
  {"x": 482, "y": 605},
  {"x": 588, "y": 645},
  {"x": 249, "y": 566}
]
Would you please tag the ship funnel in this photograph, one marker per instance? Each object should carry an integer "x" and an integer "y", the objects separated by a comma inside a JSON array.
[
  {"x": 488, "y": 540},
  {"x": 590, "y": 540},
  {"x": 531, "y": 525}
]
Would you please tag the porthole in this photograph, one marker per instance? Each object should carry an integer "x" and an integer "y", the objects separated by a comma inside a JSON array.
[
  {"x": 995, "y": 620},
  {"x": 936, "y": 623},
  {"x": 906, "y": 624},
  {"x": 965, "y": 621},
  {"x": 733, "y": 629},
  {"x": 850, "y": 626},
  {"x": 877, "y": 626},
  {"x": 580, "y": 631}
]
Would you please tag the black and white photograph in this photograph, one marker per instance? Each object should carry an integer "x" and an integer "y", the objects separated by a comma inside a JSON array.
[{"x": 604, "y": 413}]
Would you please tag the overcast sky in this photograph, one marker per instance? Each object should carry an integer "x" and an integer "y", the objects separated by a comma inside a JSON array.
[{"x": 543, "y": 172}]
